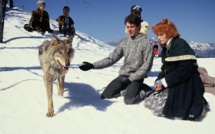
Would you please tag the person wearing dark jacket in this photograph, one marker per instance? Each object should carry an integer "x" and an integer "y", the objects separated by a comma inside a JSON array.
[
  {"x": 40, "y": 19},
  {"x": 138, "y": 53},
  {"x": 136, "y": 10},
  {"x": 178, "y": 88},
  {"x": 66, "y": 23}
]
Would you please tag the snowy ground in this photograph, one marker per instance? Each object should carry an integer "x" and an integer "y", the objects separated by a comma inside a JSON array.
[{"x": 23, "y": 100}]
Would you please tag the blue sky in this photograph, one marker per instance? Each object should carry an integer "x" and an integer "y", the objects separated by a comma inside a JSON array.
[{"x": 104, "y": 19}]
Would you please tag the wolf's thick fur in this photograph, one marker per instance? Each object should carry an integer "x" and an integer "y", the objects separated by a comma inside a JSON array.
[{"x": 55, "y": 56}]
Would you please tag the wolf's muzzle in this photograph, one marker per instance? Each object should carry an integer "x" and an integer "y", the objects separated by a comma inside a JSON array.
[{"x": 67, "y": 64}]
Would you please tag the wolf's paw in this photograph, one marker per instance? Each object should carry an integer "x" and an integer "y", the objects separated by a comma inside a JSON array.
[
  {"x": 60, "y": 93},
  {"x": 50, "y": 114}
]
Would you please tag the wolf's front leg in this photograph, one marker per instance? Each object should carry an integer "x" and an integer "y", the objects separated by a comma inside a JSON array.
[
  {"x": 60, "y": 85},
  {"x": 49, "y": 90}
]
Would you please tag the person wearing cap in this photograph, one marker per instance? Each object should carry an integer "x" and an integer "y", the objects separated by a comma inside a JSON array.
[
  {"x": 136, "y": 10},
  {"x": 137, "y": 51},
  {"x": 40, "y": 19},
  {"x": 66, "y": 23}
]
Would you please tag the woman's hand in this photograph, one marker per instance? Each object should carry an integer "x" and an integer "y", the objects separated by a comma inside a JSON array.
[{"x": 158, "y": 85}]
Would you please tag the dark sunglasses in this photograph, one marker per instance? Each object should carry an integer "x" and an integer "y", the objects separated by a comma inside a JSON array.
[{"x": 135, "y": 12}]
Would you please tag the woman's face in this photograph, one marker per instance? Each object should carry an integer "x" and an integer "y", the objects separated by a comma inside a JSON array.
[{"x": 162, "y": 39}]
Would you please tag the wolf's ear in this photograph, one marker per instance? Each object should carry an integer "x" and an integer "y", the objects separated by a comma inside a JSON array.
[
  {"x": 55, "y": 40},
  {"x": 69, "y": 40}
]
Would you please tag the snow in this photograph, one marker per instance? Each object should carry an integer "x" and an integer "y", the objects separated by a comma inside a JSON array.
[{"x": 23, "y": 100}]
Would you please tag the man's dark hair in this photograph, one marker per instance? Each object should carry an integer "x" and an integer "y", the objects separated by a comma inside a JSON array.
[
  {"x": 66, "y": 7},
  {"x": 133, "y": 19}
]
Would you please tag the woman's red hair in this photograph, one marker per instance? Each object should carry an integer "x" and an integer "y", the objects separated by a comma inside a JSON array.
[{"x": 166, "y": 27}]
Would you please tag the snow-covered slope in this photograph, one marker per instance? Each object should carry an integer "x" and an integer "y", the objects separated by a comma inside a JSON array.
[{"x": 23, "y": 100}]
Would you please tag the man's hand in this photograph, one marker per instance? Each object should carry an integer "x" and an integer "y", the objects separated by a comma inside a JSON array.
[{"x": 86, "y": 66}]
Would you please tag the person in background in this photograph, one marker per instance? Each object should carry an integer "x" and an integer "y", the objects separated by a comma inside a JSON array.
[
  {"x": 137, "y": 51},
  {"x": 136, "y": 10},
  {"x": 156, "y": 49},
  {"x": 66, "y": 23},
  {"x": 178, "y": 88},
  {"x": 40, "y": 19},
  {"x": 11, "y": 3}
]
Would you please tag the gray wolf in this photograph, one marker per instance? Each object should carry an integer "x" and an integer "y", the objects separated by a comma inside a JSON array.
[{"x": 55, "y": 57}]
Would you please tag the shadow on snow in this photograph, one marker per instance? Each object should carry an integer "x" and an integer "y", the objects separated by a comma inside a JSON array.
[
  {"x": 80, "y": 94},
  {"x": 24, "y": 37}
]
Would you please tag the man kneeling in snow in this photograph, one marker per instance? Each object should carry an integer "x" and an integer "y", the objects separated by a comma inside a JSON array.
[{"x": 138, "y": 53}]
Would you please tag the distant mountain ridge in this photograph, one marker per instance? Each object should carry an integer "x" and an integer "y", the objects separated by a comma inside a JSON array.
[
  {"x": 202, "y": 50},
  {"x": 116, "y": 42}
]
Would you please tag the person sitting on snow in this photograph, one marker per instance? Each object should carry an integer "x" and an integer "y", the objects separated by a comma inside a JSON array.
[
  {"x": 40, "y": 19},
  {"x": 179, "y": 91},
  {"x": 138, "y": 53},
  {"x": 66, "y": 23}
]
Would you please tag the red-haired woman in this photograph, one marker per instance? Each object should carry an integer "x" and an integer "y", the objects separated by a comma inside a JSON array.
[{"x": 178, "y": 88}]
